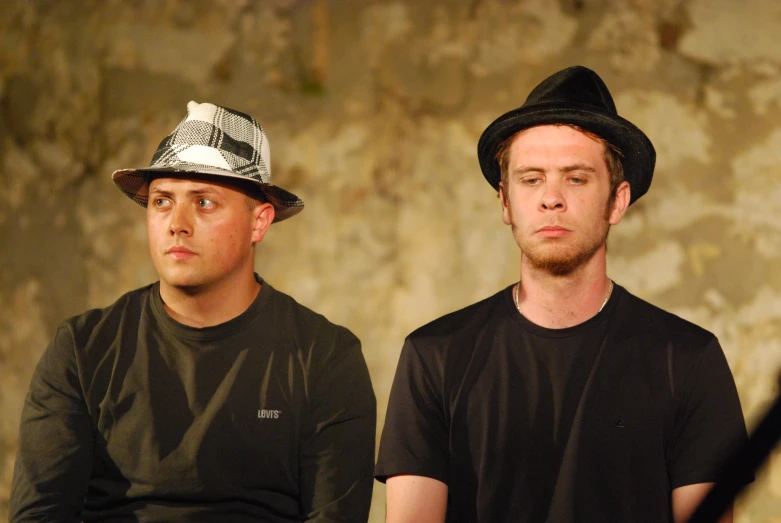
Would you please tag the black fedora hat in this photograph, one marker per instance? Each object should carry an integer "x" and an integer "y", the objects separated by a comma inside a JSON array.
[{"x": 577, "y": 96}]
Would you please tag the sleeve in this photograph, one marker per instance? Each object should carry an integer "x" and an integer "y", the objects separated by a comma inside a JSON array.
[
  {"x": 709, "y": 425},
  {"x": 337, "y": 452},
  {"x": 54, "y": 459},
  {"x": 415, "y": 436}
]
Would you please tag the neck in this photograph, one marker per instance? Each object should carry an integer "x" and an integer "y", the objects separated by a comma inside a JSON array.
[
  {"x": 208, "y": 306},
  {"x": 557, "y": 302}
]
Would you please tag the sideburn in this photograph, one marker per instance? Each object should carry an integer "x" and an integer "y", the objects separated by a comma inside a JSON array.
[{"x": 611, "y": 202}]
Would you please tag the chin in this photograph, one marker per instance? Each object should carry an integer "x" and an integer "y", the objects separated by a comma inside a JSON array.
[
  {"x": 186, "y": 286},
  {"x": 559, "y": 260},
  {"x": 558, "y": 266},
  {"x": 181, "y": 279}
]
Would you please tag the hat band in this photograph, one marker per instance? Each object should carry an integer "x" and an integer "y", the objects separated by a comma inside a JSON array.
[{"x": 186, "y": 156}]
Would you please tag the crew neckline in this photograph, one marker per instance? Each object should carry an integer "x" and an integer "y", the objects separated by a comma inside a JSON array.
[
  {"x": 565, "y": 332},
  {"x": 213, "y": 332}
]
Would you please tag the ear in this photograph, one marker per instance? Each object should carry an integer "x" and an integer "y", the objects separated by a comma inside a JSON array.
[
  {"x": 262, "y": 217},
  {"x": 623, "y": 195},
  {"x": 506, "y": 218}
]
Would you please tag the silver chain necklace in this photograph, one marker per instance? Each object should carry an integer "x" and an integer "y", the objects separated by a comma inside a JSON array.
[{"x": 518, "y": 305}]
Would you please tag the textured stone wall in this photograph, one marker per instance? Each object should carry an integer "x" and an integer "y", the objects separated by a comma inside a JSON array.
[{"x": 373, "y": 111}]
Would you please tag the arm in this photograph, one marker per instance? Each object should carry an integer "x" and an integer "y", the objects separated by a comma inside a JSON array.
[
  {"x": 415, "y": 499},
  {"x": 54, "y": 459},
  {"x": 708, "y": 428},
  {"x": 337, "y": 453},
  {"x": 414, "y": 458},
  {"x": 686, "y": 500}
]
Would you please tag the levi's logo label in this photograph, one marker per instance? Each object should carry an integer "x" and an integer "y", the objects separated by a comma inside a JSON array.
[{"x": 269, "y": 414}]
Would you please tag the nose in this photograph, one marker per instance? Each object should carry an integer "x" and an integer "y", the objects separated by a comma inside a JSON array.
[
  {"x": 552, "y": 198},
  {"x": 181, "y": 221}
]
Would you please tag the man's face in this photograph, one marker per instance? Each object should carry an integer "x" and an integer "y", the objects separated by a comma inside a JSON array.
[
  {"x": 555, "y": 198},
  {"x": 201, "y": 232}
]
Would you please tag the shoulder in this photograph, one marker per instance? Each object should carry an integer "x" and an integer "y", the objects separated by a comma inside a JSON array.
[
  {"x": 302, "y": 324},
  {"x": 125, "y": 311},
  {"x": 463, "y": 324},
  {"x": 659, "y": 336},
  {"x": 92, "y": 332},
  {"x": 644, "y": 317}
]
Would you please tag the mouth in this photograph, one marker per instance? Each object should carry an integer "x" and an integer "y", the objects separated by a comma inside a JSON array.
[
  {"x": 553, "y": 231},
  {"x": 178, "y": 252}
]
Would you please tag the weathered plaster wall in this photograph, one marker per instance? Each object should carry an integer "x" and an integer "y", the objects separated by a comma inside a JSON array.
[{"x": 374, "y": 109}]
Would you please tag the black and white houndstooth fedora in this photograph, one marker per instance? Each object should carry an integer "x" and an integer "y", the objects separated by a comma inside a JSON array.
[{"x": 218, "y": 141}]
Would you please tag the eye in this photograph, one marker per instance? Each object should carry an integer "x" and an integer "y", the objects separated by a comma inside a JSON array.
[
  {"x": 205, "y": 203},
  {"x": 161, "y": 202},
  {"x": 532, "y": 180},
  {"x": 577, "y": 180}
]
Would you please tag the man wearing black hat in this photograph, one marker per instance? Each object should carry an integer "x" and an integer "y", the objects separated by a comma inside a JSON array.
[
  {"x": 562, "y": 398},
  {"x": 209, "y": 395}
]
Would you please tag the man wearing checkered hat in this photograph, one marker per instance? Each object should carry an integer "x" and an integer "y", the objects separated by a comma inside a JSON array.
[{"x": 208, "y": 395}]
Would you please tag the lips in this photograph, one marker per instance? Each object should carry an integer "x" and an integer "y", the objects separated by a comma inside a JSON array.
[
  {"x": 179, "y": 253},
  {"x": 553, "y": 231}
]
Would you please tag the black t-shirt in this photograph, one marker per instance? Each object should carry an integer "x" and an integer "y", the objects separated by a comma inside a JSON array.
[
  {"x": 597, "y": 422},
  {"x": 132, "y": 416}
]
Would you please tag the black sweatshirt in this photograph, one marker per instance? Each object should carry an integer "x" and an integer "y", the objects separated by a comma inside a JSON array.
[{"x": 134, "y": 416}]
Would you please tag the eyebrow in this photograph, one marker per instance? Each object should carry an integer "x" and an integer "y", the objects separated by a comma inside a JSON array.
[
  {"x": 578, "y": 167},
  {"x": 193, "y": 192},
  {"x": 523, "y": 169}
]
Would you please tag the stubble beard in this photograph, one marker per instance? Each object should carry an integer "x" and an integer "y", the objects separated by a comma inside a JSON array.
[{"x": 563, "y": 260}]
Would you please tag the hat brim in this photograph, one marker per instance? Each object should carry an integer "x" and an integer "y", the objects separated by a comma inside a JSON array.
[
  {"x": 639, "y": 156},
  {"x": 134, "y": 183}
]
